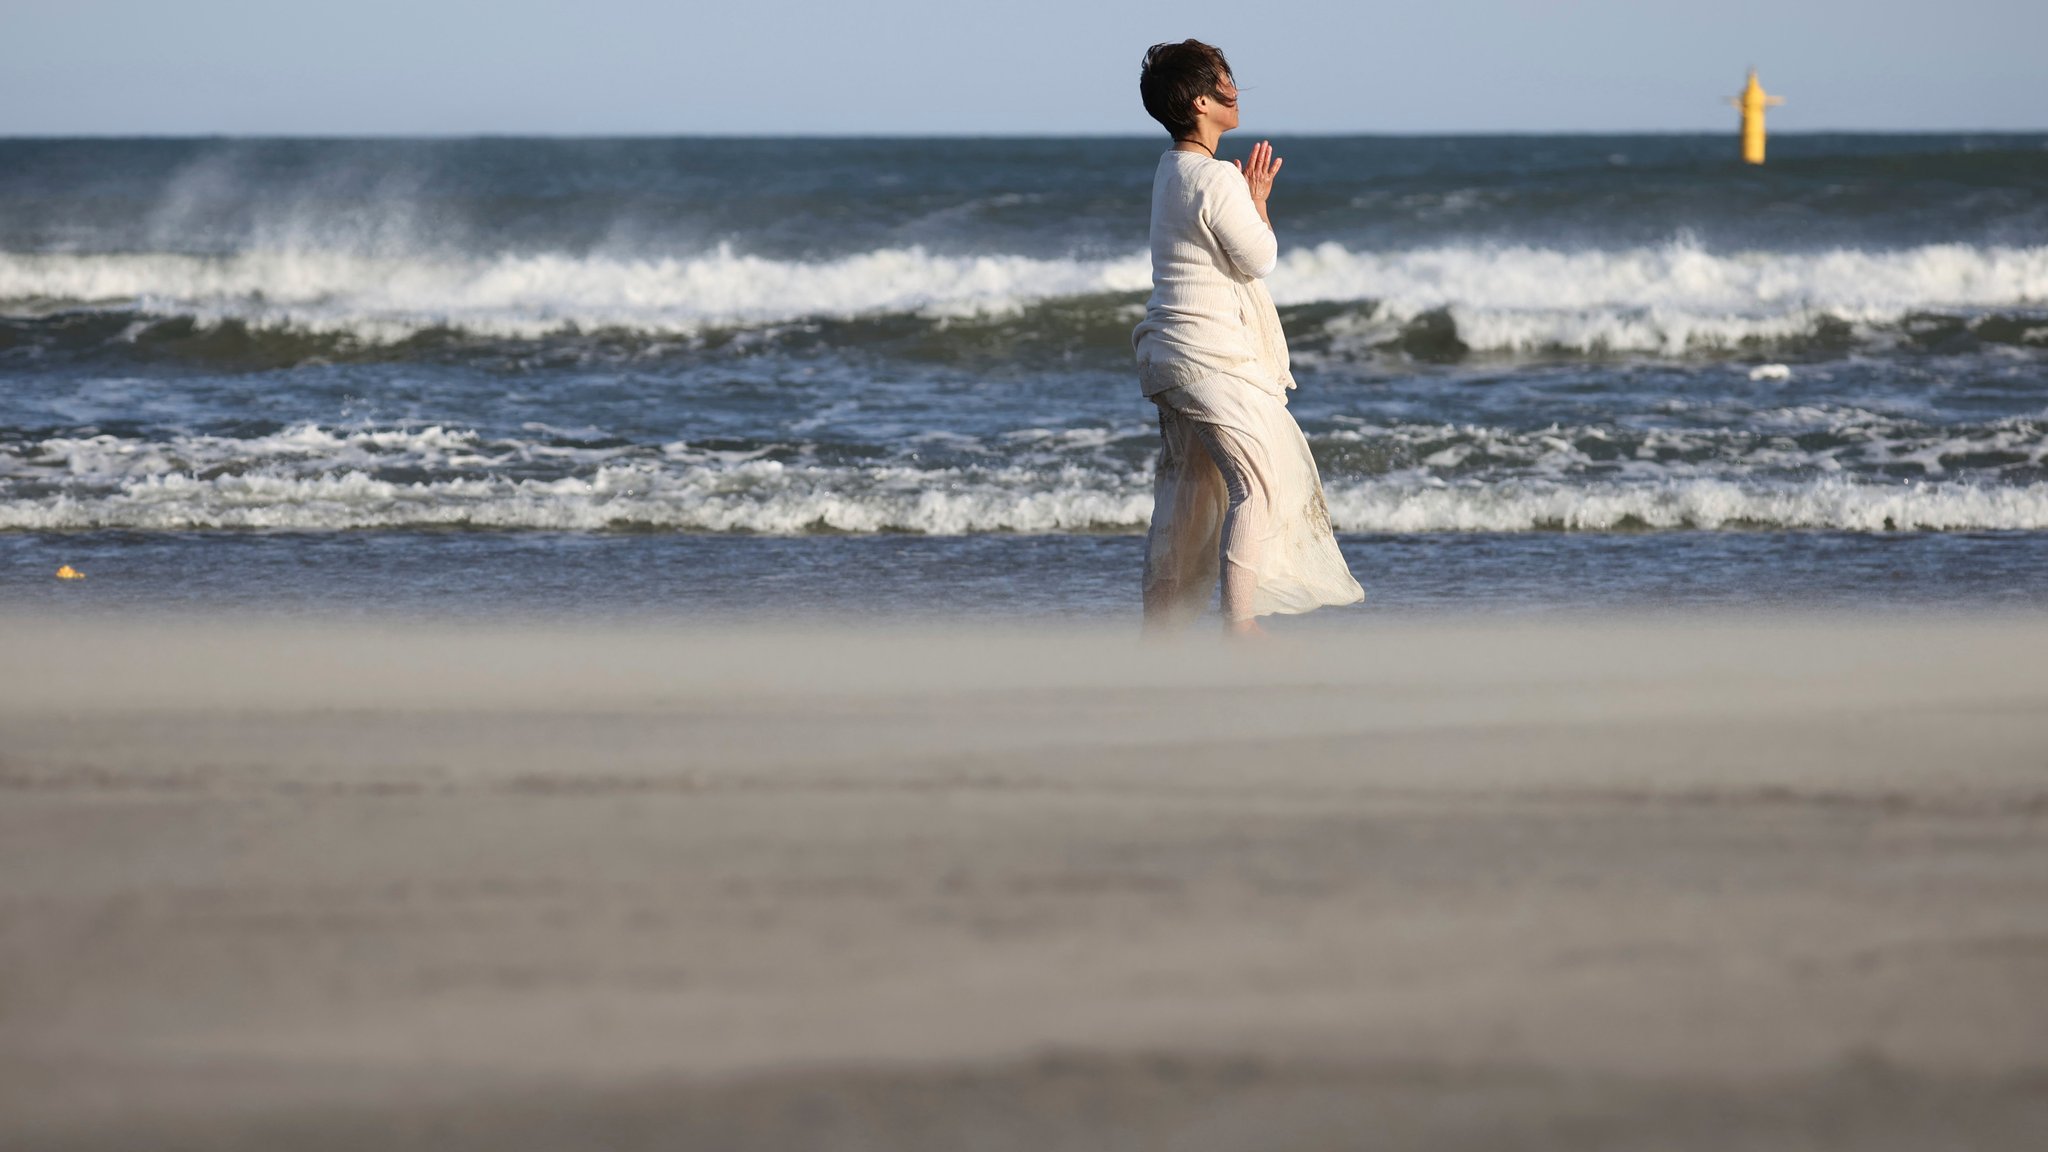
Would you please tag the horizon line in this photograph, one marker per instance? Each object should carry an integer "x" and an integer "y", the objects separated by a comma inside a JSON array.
[{"x": 997, "y": 135}]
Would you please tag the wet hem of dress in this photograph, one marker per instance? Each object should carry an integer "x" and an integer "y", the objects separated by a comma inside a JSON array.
[{"x": 1284, "y": 611}]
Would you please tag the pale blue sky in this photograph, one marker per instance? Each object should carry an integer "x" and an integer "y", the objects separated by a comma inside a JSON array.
[{"x": 1059, "y": 66}]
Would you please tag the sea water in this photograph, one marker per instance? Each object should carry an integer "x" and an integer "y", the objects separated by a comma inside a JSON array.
[{"x": 805, "y": 376}]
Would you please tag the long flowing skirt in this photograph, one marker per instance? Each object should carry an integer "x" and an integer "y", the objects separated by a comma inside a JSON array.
[{"x": 1237, "y": 495}]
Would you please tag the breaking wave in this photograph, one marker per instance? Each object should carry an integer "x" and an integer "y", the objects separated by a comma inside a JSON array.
[
  {"x": 771, "y": 498},
  {"x": 1668, "y": 299},
  {"x": 1417, "y": 478}
]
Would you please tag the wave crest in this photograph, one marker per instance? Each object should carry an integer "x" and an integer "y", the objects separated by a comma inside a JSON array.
[
  {"x": 1667, "y": 299},
  {"x": 767, "y": 498},
  {"x": 305, "y": 478}
]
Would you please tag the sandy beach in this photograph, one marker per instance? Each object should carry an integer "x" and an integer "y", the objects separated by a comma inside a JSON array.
[{"x": 1711, "y": 883}]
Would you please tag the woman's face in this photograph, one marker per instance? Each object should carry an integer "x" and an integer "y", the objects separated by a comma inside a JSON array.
[{"x": 1220, "y": 107}]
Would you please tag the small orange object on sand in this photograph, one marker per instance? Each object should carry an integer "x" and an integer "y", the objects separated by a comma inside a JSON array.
[{"x": 67, "y": 572}]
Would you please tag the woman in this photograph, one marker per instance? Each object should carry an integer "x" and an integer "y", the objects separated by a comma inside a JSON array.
[{"x": 1237, "y": 491}]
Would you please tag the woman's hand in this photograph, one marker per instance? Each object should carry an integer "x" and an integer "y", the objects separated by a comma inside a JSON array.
[{"x": 1258, "y": 175}]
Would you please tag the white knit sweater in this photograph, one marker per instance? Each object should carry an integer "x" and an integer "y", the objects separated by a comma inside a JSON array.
[{"x": 1210, "y": 312}]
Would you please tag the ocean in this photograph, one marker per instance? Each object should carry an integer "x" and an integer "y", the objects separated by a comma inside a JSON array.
[{"x": 893, "y": 377}]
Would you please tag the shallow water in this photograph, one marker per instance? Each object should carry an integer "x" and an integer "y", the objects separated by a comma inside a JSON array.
[{"x": 893, "y": 577}]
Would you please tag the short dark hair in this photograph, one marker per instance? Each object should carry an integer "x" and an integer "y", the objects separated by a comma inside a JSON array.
[{"x": 1174, "y": 75}]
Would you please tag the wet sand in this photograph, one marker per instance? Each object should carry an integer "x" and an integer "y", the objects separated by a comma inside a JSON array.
[{"x": 1713, "y": 883}]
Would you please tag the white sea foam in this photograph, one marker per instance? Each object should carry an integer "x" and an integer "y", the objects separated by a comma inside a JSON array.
[
  {"x": 1666, "y": 298},
  {"x": 104, "y": 458},
  {"x": 524, "y": 296},
  {"x": 1832, "y": 502},
  {"x": 354, "y": 500},
  {"x": 1851, "y": 441},
  {"x": 1869, "y": 472},
  {"x": 1663, "y": 299},
  {"x": 764, "y": 496},
  {"x": 759, "y": 496}
]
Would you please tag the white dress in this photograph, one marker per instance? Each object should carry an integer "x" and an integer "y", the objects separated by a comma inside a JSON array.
[{"x": 1237, "y": 494}]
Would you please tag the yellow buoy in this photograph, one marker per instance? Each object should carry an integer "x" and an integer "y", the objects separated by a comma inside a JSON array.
[
  {"x": 67, "y": 572},
  {"x": 1753, "y": 101}
]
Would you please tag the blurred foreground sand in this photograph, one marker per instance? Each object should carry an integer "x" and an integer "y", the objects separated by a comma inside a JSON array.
[{"x": 1708, "y": 884}]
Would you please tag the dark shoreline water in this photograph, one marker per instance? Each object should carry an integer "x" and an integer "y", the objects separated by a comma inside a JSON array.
[{"x": 482, "y": 575}]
